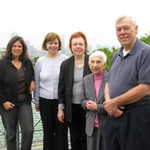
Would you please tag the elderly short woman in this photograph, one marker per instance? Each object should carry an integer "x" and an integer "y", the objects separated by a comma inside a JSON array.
[{"x": 93, "y": 85}]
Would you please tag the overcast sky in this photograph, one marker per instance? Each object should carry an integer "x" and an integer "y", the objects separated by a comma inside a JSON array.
[{"x": 33, "y": 19}]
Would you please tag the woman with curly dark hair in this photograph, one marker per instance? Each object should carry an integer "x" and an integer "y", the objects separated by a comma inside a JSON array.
[{"x": 16, "y": 85}]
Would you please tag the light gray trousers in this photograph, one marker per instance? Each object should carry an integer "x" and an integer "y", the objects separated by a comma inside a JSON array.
[{"x": 21, "y": 114}]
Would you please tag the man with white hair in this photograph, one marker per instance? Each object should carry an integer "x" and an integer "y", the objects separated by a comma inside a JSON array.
[{"x": 127, "y": 92}]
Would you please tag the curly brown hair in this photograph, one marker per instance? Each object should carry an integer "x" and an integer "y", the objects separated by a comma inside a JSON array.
[{"x": 10, "y": 44}]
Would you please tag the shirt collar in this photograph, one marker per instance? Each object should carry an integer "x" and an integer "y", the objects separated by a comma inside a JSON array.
[{"x": 136, "y": 47}]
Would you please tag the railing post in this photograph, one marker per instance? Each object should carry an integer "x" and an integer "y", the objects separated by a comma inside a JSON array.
[{"x": 17, "y": 138}]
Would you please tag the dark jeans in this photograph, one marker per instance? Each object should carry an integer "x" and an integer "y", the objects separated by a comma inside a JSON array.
[
  {"x": 21, "y": 114},
  {"x": 131, "y": 131},
  {"x": 55, "y": 132},
  {"x": 77, "y": 128}
]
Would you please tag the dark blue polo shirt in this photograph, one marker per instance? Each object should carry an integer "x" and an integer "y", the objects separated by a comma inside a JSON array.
[{"x": 128, "y": 71}]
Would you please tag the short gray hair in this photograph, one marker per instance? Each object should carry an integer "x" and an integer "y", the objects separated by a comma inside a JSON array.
[
  {"x": 126, "y": 17},
  {"x": 100, "y": 54}
]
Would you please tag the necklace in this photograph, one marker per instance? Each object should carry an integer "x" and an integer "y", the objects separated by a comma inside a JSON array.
[{"x": 79, "y": 62}]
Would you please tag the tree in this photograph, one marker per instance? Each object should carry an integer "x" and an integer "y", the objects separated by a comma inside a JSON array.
[{"x": 146, "y": 38}]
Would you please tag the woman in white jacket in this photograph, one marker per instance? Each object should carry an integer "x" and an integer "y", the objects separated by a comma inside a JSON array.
[{"x": 47, "y": 70}]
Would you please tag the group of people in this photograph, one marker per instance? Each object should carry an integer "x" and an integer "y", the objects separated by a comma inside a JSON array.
[{"x": 103, "y": 110}]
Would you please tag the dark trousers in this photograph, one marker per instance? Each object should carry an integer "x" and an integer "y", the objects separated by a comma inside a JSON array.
[
  {"x": 77, "y": 128},
  {"x": 131, "y": 131},
  {"x": 21, "y": 114},
  {"x": 55, "y": 132}
]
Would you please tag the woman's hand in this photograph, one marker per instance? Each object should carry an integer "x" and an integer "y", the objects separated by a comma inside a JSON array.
[
  {"x": 32, "y": 86},
  {"x": 60, "y": 115},
  {"x": 91, "y": 105},
  {"x": 8, "y": 105},
  {"x": 37, "y": 107}
]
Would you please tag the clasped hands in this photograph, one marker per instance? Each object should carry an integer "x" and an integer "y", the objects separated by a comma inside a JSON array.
[
  {"x": 113, "y": 108},
  {"x": 91, "y": 105}
]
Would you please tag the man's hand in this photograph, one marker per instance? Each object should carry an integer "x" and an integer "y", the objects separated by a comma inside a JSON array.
[
  {"x": 8, "y": 105},
  {"x": 60, "y": 115},
  {"x": 112, "y": 108},
  {"x": 91, "y": 105}
]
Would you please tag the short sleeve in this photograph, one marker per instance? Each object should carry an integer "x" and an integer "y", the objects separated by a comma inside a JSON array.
[{"x": 144, "y": 67}]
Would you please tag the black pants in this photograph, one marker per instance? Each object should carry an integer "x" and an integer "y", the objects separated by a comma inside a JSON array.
[
  {"x": 55, "y": 132},
  {"x": 77, "y": 128},
  {"x": 131, "y": 131}
]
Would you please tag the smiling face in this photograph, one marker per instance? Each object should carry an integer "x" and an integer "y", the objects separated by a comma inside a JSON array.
[
  {"x": 78, "y": 46},
  {"x": 17, "y": 49},
  {"x": 126, "y": 32},
  {"x": 52, "y": 46},
  {"x": 96, "y": 64}
]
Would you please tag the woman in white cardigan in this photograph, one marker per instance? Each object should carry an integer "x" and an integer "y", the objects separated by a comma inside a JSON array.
[{"x": 47, "y": 70}]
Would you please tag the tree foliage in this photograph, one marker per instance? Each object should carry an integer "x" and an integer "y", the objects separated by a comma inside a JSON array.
[{"x": 146, "y": 38}]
